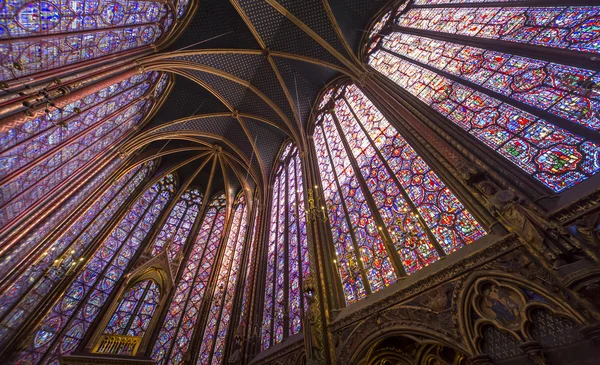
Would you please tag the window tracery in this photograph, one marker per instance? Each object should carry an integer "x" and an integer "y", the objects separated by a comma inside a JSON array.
[
  {"x": 219, "y": 315},
  {"x": 41, "y": 35},
  {"x": 183, "y": 314},
  {"x": 66, "y": 323},
  {"x": 44, "y": 153},
  {"x": 62, "y": 253},
  {"x": 389, "y": 213},
  {"x": 287, "y": 252},
  {"x": 529, "y": 110},
  {"x": 176, "y": 229}
]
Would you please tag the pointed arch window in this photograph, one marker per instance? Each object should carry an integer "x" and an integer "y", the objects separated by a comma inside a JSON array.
[
  {"x": 250, "y": 272},
  {"x": 174, "y": 339},
  {"x": 63, "y": 327},
  {"x": 497, "y": 79},
  {"x": 41, "y": 35},
  {"x": 287, "y": 252},
  {"x": 59, "y": 254},
  {"x": 389, "y": 213},
  {"x": 221, "y": 306},
  {"x": 176, "y": 229},
  {"x": 41, "y": 153},
  {"x": 135, "y": 310}
]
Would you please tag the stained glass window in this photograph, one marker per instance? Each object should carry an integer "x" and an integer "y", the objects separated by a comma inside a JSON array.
[
  {"x": 548, "y": 86},
  {"x": 221, "y": 305},
  {"x": 572, "y": 28},
  {"x": 63, "y": 327},
  {"x": 135, "y": 310},
  {"x": 60, "y": 253},
  {"x": 40, "y": 35},
  {"x": 531, "y": 111},
  {"x": 183, "y": 314},
  {"x": 389, "y": 213},
  {"x": 176, "y": 229},
  {"x": 249, "y": 277},
  {"x": 39, "y": 154},
  {"x": 287, "y": 252}
]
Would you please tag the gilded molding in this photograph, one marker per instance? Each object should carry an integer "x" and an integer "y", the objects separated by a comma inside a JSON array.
[{"x": 479, "y": 258}]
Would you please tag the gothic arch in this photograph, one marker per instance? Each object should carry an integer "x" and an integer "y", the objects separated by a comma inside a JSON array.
[
  {"x": 157, "y": 271},
  {"x": 506, "y": 307},
  {"x": 408, "y": 344}
]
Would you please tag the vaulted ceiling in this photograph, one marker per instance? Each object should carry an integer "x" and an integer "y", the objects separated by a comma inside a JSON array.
[{"x": 246, "y": 74}]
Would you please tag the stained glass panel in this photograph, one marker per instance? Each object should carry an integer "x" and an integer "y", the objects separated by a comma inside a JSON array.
[
  {"x": 45, "y": 35},
  {"x": 573, "y": 28},
  {"x": 287, "y": 257},
  {"x": 176, "y": 229},
  {"x": 250, "y": 270},
  {"x": 65, "y": 324},
  {"x": 135, "y": 310},
  {"x": 267, "y": 323},
  {"x": 403, "y": 224},
  {"x": 347, "y": 256},
  {"x": 451, "y": 224},
  {"x": 552, "y": 87},
  {"x": 377, "y": 265},
  {"x": 101, "y": 128},
  {"x": 219, "y": 315},
  {"x": 440, "y": 2},
  {"x": 378, "y": 189},
  {"x": 178, "y": 327},
  {"x": 228, "y": 299},
  {"x": 552, "y": 155},
  {"x": 30, "y": 288}
]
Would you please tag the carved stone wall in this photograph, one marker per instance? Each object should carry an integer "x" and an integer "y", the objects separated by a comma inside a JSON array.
[{"x": 495, "y": 305}]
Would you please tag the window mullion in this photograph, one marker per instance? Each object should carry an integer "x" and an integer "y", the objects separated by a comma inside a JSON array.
[
  {"x": 405, "y": 195},
  {"x": 357, "y": 254},
  {"x": 136, "y": 309},
  {"x": 61, "y": 333},
  {"x": 387, "y": 239},
  {"x": 191, "y": 289},
  {"x": 572, "y": 127}
]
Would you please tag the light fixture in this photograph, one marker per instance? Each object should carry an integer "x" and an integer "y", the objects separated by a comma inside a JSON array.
[{"x": 312, "y": 212}]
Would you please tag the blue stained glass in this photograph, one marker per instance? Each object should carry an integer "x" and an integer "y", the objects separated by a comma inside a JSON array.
[
  {"x": 287, "y": 220},
  {"x": 58, "y": 333},
  {"x": 573, "y": 28},
  {"x": 67, "y": 32},
  {"x": 549, "y": 86},
  {"x": 174, "y": 337},
  {"x": 552, "y": 155},
  {"x": 176, "y": 229},
  {"x": 30, "y": 288},
  {"x": 135, "y": 310},
  {"x": 219, "y": 315},
  {"x": 41, "y": 155}
]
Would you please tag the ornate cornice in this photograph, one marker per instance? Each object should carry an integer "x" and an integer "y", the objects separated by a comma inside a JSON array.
[
  {"x": 481, "y": 257},
  {"x": 283, "y": 351},
  {"x": 575, "y": 210},
  {"x": 92, "y": 359}
]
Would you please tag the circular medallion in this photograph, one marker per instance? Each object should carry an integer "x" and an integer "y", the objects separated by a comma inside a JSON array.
[
  {"x": 38, "y": 16},
  {"x": 113, "y": 13}
]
